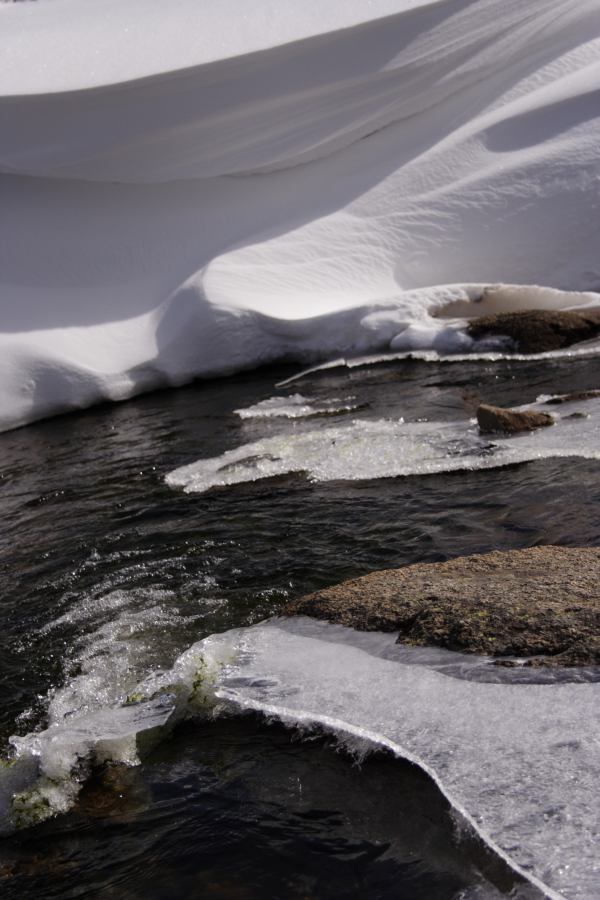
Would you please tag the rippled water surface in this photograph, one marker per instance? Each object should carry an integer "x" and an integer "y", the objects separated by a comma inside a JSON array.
[{"x": 107, "y": 573}]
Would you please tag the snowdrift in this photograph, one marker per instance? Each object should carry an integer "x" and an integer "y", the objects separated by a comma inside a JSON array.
[{"x": 192, "y": 189}]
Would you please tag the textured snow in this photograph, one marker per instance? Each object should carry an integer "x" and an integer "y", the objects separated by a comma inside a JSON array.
[{"x": 191, "y": 189}]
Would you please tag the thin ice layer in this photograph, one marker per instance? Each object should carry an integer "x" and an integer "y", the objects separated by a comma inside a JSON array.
[
  {"x": 367, "y": 449},
  {"x": 521, "y": 760},
  {"x": 99, "y": 716},
  {"x": 296, "y": 407},
  {"x": 185, "y": 198}
]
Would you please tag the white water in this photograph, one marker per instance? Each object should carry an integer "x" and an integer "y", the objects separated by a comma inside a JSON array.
[
  {"x": 520, "y": 759},
  {"x": 366, "y": 449},
  {"x": 190, "y": 189}
]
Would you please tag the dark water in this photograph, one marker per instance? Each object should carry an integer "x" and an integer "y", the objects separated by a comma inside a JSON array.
[
  {"x": 243, "y": 810},
  {"x": 239, "y": 809}
]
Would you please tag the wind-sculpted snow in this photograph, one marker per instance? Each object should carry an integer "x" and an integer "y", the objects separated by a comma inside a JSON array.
[{"x": 191, "y": 189}]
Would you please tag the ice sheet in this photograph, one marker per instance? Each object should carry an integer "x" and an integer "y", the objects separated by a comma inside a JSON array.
[
  {"x": 519, "y": 758},
  {"x": 296, "y": 406},
  {"x": 381, "y": 448}
]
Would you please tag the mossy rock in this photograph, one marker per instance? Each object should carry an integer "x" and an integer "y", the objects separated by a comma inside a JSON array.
[{"x": 542, "y": 603}]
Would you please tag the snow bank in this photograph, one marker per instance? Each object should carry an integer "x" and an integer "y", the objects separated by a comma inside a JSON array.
[{"x": 192, "y": 189}]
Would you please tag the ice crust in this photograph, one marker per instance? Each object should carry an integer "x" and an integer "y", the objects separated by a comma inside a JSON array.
[
  {"x": 117, "y": 706},
  {"x": 296, "y": 406},
  {"x": 520, "y": 758},
  {"x": 382, "y": 448},
  {"x": 185, "y": 198}
]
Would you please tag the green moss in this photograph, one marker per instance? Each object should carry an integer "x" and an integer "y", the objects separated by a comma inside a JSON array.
[
  {"x": 198, "y": 694},
  {"x": 134, "y": 697},
  {"x": 30, "y": 808}
]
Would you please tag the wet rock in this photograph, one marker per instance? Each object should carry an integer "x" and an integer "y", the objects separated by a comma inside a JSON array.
[
  {"x": 576, "y": 397},
  {"x": 542, "y": 603},
  {"x": 539, "y": 330},
  {"x": 494, "y": 420},
  {"x": 116, "y": 792}
]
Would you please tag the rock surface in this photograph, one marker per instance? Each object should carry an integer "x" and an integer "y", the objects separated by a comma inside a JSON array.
[
  {"x": 494, "y": 420},
  {"x": 576, "y": 397},
  {"x": 542, "y": 603},
  {"x": 539, "y": 330}
]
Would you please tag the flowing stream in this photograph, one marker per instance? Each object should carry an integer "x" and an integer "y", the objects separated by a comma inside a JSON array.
[{"x": 110, "y": 572}]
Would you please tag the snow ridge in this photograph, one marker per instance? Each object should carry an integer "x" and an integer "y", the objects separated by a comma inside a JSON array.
[{"x": 186, "y": 199}]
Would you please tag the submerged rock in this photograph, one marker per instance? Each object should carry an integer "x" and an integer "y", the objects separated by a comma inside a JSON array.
[
  {"x": 539, "y": 330},
  {"x": 494, "y": 419},
  {"x": 542, "y": 603},
  {"x": 117, "y": 792}
]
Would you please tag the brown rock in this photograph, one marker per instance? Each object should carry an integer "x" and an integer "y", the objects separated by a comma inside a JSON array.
[
  {"x": 576, "y": 397},
  {"x": 539, "y": 330},
  {"x": 494, "y": 419},
  {"x": 543, "y": 602}
]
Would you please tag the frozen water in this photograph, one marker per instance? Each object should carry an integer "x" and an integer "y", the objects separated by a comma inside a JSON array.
[
  {"x": 296, "y": 407},
  {"x": 521, "y": 760},
  {"x": 367, "y": 449}
]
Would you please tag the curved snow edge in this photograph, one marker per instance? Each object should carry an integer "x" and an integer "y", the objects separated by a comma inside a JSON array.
[{"x": 192, "y": 335}]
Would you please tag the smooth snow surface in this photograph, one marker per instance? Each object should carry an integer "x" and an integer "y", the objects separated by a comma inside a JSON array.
[
  {"x": 382, "y": 448},
  {"x": 520, "y": 757},
  {"x": 190, "y": 189}
]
